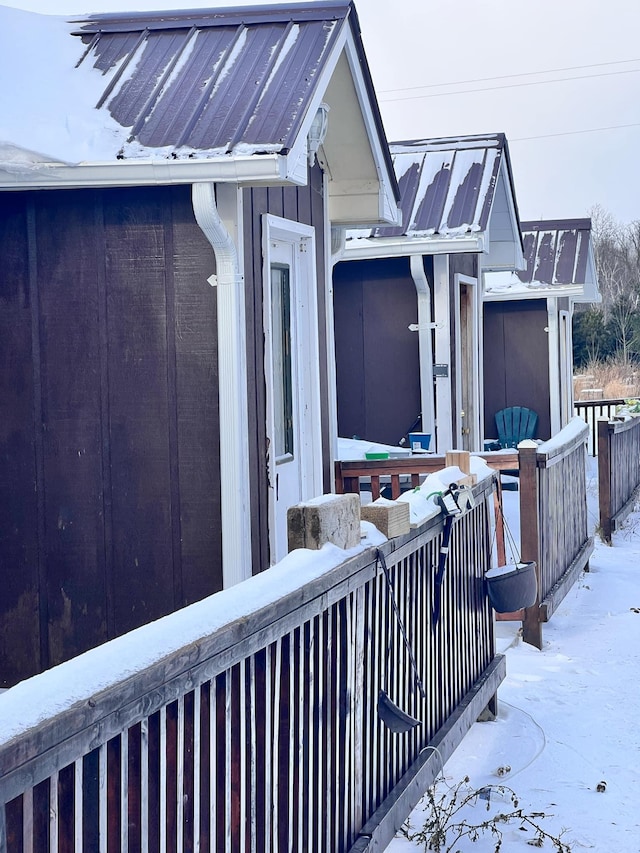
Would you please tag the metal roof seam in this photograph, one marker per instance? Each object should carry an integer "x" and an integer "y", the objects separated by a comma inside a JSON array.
[{"x": 152, "y": 99}]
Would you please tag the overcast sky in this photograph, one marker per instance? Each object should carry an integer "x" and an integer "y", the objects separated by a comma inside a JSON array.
[{"x": 560, "y": 77}]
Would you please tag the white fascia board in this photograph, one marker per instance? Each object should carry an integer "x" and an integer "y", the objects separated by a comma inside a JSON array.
[
  {"x": 388, "y": 210},
  {"x": 245, "y": 169},
  {"x": 571, "y": 291},
  {"x": 591, "y": 287},
  {"x": 397, "y": 247}
]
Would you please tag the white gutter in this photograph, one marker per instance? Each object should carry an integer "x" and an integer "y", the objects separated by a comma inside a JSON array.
[
  {"x": 573, "y": 292},
  {"x": 395, "y": 247},
  {"x": 256, "y": 168},
  {"x": 232, "y": 374},
  {"x": 416, "y": 265}
]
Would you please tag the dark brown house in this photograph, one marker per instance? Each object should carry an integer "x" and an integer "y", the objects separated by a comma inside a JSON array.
[
  {"x": 408, "y": 298},
  {"x": 165, "y": 318},
  {"x": 528, "y": 344}
]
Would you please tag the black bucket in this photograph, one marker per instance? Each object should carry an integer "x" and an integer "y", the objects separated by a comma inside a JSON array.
[{"x": 512, "y": 587}]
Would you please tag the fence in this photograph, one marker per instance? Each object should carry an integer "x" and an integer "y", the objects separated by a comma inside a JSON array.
[
  {"x": 553, "y": 519},
  {"x": 350, "y": 475},
  {"x": 591, "y": 411},
  {"x": 260, "y": 734},
  {"x": 618, "y": 471}
]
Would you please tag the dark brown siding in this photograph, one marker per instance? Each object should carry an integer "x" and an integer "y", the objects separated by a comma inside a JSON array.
[
  {"x": 516, "y": 361},
  {"x": 306, "y": 205},
  {"x": 109, "y": 495},
  {"x": 377, "y": 357}
]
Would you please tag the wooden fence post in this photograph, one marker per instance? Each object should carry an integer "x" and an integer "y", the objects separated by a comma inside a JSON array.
[
  {"x": 604, "y": 478},
  {"x": 529, "y": 535}
]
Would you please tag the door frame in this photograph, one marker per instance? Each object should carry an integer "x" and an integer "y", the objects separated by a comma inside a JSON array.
[
  {"x": 467, "y": 391},
  {"x": 304, "y": 316}
]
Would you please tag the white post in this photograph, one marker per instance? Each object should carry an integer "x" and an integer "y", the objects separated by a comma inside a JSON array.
[
  {"x": 425, "y": 347},
  {"x": 442, "y": 318}
]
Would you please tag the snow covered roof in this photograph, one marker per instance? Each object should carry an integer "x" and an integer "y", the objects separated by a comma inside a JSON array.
[
  {"x": 234, "y": 89},
  {"x": 456, "y": 195},
  {"x": 559, "y": 262}
]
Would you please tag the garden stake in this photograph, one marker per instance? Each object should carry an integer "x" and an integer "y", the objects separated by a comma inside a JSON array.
[{"x": 394, "y": 718}]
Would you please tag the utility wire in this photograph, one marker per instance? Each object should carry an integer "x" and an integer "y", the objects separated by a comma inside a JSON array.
[
  {"x": 510, "y": 76},
  {"x": 509, "y": 86},
  {"x": 573, "y": 132}
]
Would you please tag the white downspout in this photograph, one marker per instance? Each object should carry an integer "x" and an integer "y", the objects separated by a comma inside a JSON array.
[
  {"x": 425, "y": 348},
  {"x": 232, "y": 373}
]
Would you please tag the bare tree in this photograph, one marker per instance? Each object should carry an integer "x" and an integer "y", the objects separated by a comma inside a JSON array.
[{"x": 617, "y": 253}]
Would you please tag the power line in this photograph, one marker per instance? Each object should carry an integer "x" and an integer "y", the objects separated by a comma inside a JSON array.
[
  {"x": 510, "y": 76},
  {"x": 574, "y": 132},
  {"x": 508, "y": 86}
]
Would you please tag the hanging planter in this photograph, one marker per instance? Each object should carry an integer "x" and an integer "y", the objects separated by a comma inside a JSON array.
[{"x": 512, "y": 587}]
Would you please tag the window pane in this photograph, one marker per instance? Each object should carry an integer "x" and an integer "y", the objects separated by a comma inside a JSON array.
[{"x": 282, "y": 379}]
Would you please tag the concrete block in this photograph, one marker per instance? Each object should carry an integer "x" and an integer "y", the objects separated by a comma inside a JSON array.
[
  {"x": 392, "y": 518},
  {"x": 330, "y": 518}
]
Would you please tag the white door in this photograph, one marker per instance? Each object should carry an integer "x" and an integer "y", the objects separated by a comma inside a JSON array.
[{"x": 292, "y": 370}]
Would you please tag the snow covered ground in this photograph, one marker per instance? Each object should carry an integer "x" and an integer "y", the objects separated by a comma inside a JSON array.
[{"x": 566, "y": 739}]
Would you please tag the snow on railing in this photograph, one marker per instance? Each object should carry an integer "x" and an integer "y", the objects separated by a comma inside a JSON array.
[
  {"x": 553, "y": 518},
  {"x": 618, "y": 471},
  {"x": 249, "y": 721}
]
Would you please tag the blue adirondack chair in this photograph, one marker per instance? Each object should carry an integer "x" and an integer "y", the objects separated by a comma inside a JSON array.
[{"x": 514, "y": 424}]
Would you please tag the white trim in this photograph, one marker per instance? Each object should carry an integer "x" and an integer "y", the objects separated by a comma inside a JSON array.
[
  {"x": 218, "y": 212},
  {"x": 302, "y": 238},
  {"x": 442, "y": 317},
  {"x": 251, "y": 169},
  {"x": 554, "y": 366},
  {"x": 509, "y": 191},
  {"x": 568, "y": 291},
  {"x": 481, "y": 368},
  {"x": 330, "y": 260},
  {"x": 474, "y": 425},
  {"x": 365, "y": 248},
  {"x": 566, "y": 367},
  {"x": 456, "y": 379},
  {"x": 425, "y": 348}
]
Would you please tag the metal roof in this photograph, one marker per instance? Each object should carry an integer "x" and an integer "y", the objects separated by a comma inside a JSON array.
[
  {"x": 556, "y": 252},
  {"x": 446, "y": 185},
  {"x": 217, "y": 80},
  {"x": 559, "y": 262}
]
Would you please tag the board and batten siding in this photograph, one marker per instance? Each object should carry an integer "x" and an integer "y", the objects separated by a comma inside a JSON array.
[
  {"x": 377, "y": 356},
  {"x": 299, "y": 204},
  {"x": 516, "y": 361},
  {"x": 109, "y": 450}
]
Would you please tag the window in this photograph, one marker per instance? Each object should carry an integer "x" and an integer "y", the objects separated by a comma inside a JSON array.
[{"x": 282, "y": 371}]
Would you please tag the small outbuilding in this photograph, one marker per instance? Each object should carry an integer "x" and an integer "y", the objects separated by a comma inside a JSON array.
[
  {"x": 528, "y": 345},
  {"x": 408, "y": 301},
  {"x": 168, "y": 186}
]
